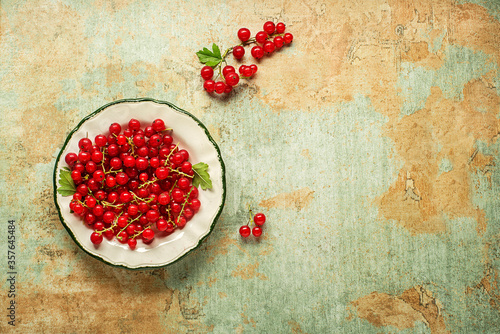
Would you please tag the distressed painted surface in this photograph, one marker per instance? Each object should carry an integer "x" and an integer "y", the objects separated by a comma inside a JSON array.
[{"x": 371, "y": 144}]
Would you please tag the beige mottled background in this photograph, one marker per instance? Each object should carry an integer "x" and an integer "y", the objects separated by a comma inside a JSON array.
[{"x": 371, "y": 143}]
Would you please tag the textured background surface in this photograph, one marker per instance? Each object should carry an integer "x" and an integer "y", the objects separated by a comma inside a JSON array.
[{"x": 371, "y": 144}]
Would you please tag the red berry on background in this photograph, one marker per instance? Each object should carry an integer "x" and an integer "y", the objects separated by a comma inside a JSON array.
[
  {"x": 139, "y": 140},
  {"x": 261, "y": 37},
  {"x": 183, "y": 183},
  {"x": 96, "y": 238},
  {"x": 148, "y": 235},
  {"x": 280, "y": 28},
  {"x": 167, "y": 139},
  {"x": 85, "y": 144},
  {"x": 209, "y": 86},
  {"x": 122, "y": 237},
  {"x": 152, "y": 215},
  {"x": 121, "y": 139},
  {"x": 180, "y": 221},
  {"x": 195, "y": 204},
  {"x": 238, "y": 52},
  {"x": 247, "y": 72},
  {"x": 132, "y": 243},
  {"x": 245, "y": 231},
  {"x": 228, "y": 89},
  {"x": 161, "y": 225},
  {"x": 129, "y": 161},
  {"x": 164, "y": 198},
  {"x": 101, "y": 140},
  {"x": 158, "y": 125},
  {"x": 288, "y": 38},
  {"x": 269, "y": 27},
  {"x": 97, "y": 156},
  {"x": 232, "y": 79},
  {"x": 244, "y": 34},
  {"x": 219, "y": 87},
  {"x": 76, "y": 176},
  {"x": 185, "y": 154},
  {"x": 259, "y": 219},
  {"x": 141, "y": 163},
  {"x": 71, "y": 158},
  {"x": 242, "y": 68},
  {"x": 254, "y": 68},
  {"x": 161, "y": 173},
  {"x": 278, "y": 42},
  {"x": 257, "y": 52},
  {"x": 207, "y": 72},
  {"x": 115, "y": 128},
  {"x": 227, "y": 69},
  {"x": 149, "y": 131},
  {"x": 134, "y": 124},
  {"x": 257, "y": 231},
  {"x": 115, "y": 163},
  {"x": 186, "y": 167},
  {"x": 268, "y": 47},
  {"x": 84, "y": 157}
]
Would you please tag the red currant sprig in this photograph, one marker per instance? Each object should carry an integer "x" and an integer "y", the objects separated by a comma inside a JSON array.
[
  {"x": 259, "y": 219},
  {"x": 269, "y": 40}
]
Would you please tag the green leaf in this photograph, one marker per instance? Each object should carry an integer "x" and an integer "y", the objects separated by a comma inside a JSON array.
[
  {"x": 201, "y": 176},
  {"x": 210, "y": 58},
  {"x": 67, "y": 186}
]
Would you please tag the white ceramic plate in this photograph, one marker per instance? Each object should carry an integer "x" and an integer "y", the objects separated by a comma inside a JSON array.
[{"x": 191, "y": 135}]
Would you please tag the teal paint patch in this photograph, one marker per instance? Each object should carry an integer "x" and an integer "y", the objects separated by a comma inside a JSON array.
[
  {"x": 445, "y": 166},
  {"x": 415, "y": 83},
  {"x": 493, "y": 6},
  {"x": 347, "y": 150},
  {"x": 437, "y": 42},
  {"x": 461, "y": 65}
]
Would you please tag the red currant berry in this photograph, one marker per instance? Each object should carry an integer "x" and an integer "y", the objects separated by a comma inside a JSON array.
[
  {"x": 177, "y": 158},
  {"x": 164, "y": 198},
  {"x": 110, "y": 181},
  {"x": 115, "y": 163},
  {"x": 98, "y": 210},
  {"x": 259, "y": 219},
  {"x": 247, "y": 72},
  {"x": 152, "y": 215},
  {"x": 125, "y": 197},
  {"x": 245, "y": 231},
  {"x": 84, "y": 157},
  {"x": 232, "y": 79},
  {"x": 122, "y": 237},
  {"x": 280, "y": 28},
  {"x": 184, "y": 154},
  {"x": 227, "y": 69},
  {"x": 257, "y": 52},
  {"x": 113, "y": 150},
  {"x": 161, "y": 225},
  {"x": 238, "y": 52},
  {"x": 142, "y": 151},
  {"x": 134, "y": 124},
  {"x": 121, "y": 140},
  {"x": 158, "y": 125},
  {"x": 82, "y": 189},
  {"x": 261, "y": 37},
  {"x": 76, "y": 176},
  {"x": 148, "y": 235},
  {"x": 219, "y": 87},
  {"x": 269, "y": 27},
  {"x": 278, "y": 42},
  {"x": 97, "y": 156},
  {"x": 100, "y": 140},
  {"x": 149, "y": 131},
  {"x": 161, "y": 173},
  {"x": 71, "y": 158},
  {"x": 209, "y": 85},
  {"x": 167, "y": 140},
  {"x": 207, "y": 72},
  {"x": 268, "y": 47},
  {"x": 288, "y": 38},
  {"x": 254, "y": 68},
  {"x": 115, "y": 128},
  {"x": 228, "y": 89},
  {"x": 96, "y": 238},
  {"x": 85, "y": 144},
  {"x": 139, "y": 140},
  {"x": 141, "y": 163},
  {"x": 244, "y": 34},
  {"x": 183, "y": 183},
  {"x": 132, "y": 210},
  {"x": 180, "y": 221},
  {"x": 132, "y": 243},
  {"x": 186, "y": 167},
  {"x": 129, "y": 161},
  {"x": 90, "y": 201},
  {"x": 195, "y": 204},
  {"x": 257, "y": 231},
  {"x": 121, "y": 178}
]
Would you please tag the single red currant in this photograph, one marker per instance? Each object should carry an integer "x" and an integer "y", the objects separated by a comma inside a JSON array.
[
  {"x": 115, "y": 128},
  {"x": 254, "y": 68},
  {"x": 245, "y": 231},
  {"x": 132, "y": 243},
  {"x": 71, "y": 158},
  {"x": 278, "y": 42},
  {"x": 269, "y": 27},
  {"x": 232, "y": 79},
  {"x": 101, "y": 140},
  {"x": 257, "y": 231},
  {"x": 259, "y": 219},
  {"x": 238, "y": 52},
  {"x": 209, "y": 85},
  {"x": 219, "y": 87},
  {"x": 268, "y": 47},
  {"x": 158, "y": 125},
  {"x": 96, "y": 238},
  {"x": 207, "y": 72},
  {"x": 288, "y": 38},
  {"x": 244, "y": 34},
  {"x": 148, "y": 235},
  {"x": 134, "y": 124},
  {"x": 85, "y": 144},
  {"x": 247, "y": 72},
  {"x": 227, "y": 69},
  {"x": 280, "y": 28},
  {"x": 257, "y": 52},
  {"x": 261, "y": 37}
]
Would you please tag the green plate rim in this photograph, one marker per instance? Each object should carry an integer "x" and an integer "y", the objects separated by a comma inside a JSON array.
[{"x": 136, "y": 100}]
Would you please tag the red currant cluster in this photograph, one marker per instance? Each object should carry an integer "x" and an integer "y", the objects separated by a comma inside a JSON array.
[
  {"x": 270, "y": 39},
  {"x": 132, "y": 184},
  {"x": 259, "y": 220}
]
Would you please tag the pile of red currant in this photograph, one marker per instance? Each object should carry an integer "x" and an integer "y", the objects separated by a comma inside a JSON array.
[
  {"x": 132, "y": 184},
  {"x": 259, "y": 219},
  {"x": 270, "y": 39}
]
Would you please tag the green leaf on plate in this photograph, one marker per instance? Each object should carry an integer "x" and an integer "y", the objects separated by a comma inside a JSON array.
[
  {"x": 67, "y": 186},
  {"x": 210, "y": 58},
  {"x": 201, "y": 176}
]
